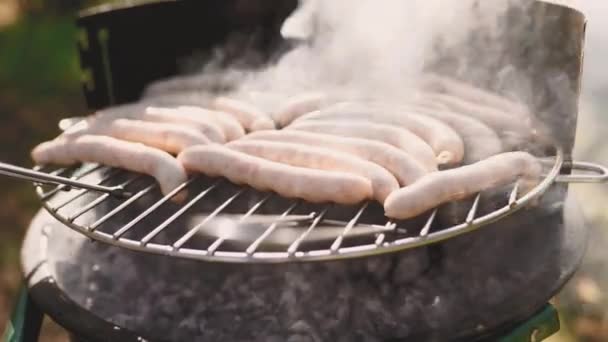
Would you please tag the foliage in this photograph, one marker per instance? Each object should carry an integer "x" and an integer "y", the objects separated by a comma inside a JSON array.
[{"x": 39, "y": 83}]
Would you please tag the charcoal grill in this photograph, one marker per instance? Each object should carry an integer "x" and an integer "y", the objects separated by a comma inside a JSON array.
[
  {"x": 433, "y": 278},
  {"x": 400, "y": 244}
]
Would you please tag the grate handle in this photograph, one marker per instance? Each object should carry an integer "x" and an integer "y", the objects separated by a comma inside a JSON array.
[
  {"x": 598, "y": 173},
  {"x": 45, "y": 178}
]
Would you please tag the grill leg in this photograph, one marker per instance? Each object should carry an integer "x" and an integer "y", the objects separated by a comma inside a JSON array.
[{"x": 25, "y": 322}]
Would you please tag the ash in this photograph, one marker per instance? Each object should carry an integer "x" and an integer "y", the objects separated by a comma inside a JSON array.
[{"x": 468, "y": 285}]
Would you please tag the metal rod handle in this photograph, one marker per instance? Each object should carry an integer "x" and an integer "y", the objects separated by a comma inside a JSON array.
[
  {"x": 599, "y": 175},
  {"x": 45, "y": 178}
]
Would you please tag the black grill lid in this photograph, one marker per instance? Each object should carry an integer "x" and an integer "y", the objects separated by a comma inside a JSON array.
[{"x": 125, "y": 47}]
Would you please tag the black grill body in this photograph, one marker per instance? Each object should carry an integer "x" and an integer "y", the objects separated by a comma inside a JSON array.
[{"x": 124, "y": 48}]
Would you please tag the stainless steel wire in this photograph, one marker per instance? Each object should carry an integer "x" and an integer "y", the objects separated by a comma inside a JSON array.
[{"x": 353, "y": 238}]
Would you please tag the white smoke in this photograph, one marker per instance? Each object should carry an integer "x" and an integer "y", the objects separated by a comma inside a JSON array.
[{"x": 365, "y": 49}]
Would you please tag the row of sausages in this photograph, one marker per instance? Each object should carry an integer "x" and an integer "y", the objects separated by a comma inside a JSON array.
[{"x": 325, "y": 149}]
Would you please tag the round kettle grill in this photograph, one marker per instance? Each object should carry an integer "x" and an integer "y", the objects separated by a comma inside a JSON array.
[{"x": 231, "y": 263}]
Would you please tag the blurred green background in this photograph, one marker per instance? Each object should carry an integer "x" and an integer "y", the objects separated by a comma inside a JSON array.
[{"x": 39, "y": 83}]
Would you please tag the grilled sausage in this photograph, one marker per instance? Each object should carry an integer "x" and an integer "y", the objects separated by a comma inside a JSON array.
[
  {"x": 289, "y": 181},
  {"x": 398, "y": 137},
  {"x": 212, "y": 129},
  {"x": 124, "y": 111},
  {"x": 192, "y": 98},
  {"x": 198, "y": 118},
  {"x": 480, "y": 141},
  {"x": 167, "y": 137},
  {"x": 264, "y": 100},
  {"x": 383, "y": 182},
  {"x": 248, "y": 115},
  {"x": 402, "y": 165},
  {"x": 208, "y": 128},
  {"x": 422, "y": 101},
  {"x": 436, "y": 83},
  {"x": 504, "y": 123},
  {"x": 440, "y": 187},
  {"x": 446, "y": 143},
  {"x": 297, "y": 106},
  {"x": 113, "y": 152}
]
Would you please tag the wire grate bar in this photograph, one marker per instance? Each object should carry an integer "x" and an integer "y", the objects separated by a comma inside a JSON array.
[
  {"x": 473, "y": 211},
  {"x": 146, "y": 239},
  {"x": 151, "y": 209},
  {"x": 255, "y": 244},
  {"x": 427, "y": 226},
  {"x": 122, "y": 206},
  {"x": 216, "y": 244},
  {"x": 82, "y": 192},
  {"x": 56, "y": 172},
  {"x": 296, "y": 244},
  {"x": 513, "y": 195},
  {"x": 338, "y": 242},
  {"x": 80, "y": 173},
  {"x": 100, "y": 199},
  {"x": 179, "y": 243},
  {"x": 380, "y": 239}
]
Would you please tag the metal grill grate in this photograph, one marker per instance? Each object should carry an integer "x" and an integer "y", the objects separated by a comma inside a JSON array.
[{"x": 222, "y": 222}]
